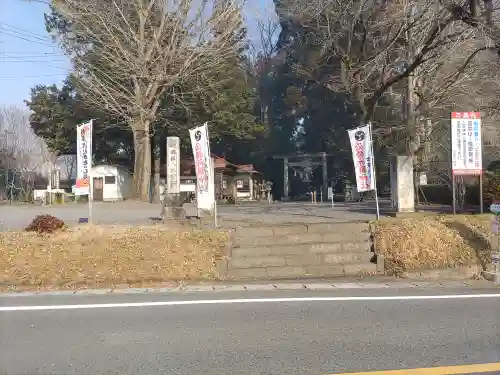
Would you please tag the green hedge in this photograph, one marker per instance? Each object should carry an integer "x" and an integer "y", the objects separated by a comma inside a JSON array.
[{"x": 441, "y": 194}]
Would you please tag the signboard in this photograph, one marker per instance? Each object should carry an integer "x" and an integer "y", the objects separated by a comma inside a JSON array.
[
  {"x": 422, "y": 179},
  {"x": 83, "y": 156},
  {"x": 495, "y": 208},
  {"x": 330, "y": 192},
  {"x": 54, "y": 179},
  {"x": 495, "y": 258},
  {"x": 173, "y": 182},
  {"x": 361, "y": 144},
  {"x": 466, "y": 143},
  {"x": 205, "y": 186}
]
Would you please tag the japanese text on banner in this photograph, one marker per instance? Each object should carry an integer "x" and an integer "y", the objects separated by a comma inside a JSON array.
[
  {"x": 466, "y": 143},
  {"x": 83, "y": 154},
  {"x": 360, "y": 139}
]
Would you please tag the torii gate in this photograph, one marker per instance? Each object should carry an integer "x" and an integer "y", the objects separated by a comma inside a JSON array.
[{"x": 303, "y": 161}]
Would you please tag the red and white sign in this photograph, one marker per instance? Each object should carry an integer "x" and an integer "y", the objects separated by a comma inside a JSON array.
[
  {"x": 466, "y": 143},
  {"x": 205, "y": 187},
  {"x": 83, "y": 156},
  {"x": 362, "y": 155}
]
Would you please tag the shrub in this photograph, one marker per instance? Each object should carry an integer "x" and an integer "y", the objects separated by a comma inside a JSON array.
[
  {"x": 45, "y": 224},
  {"x": 492, "y": 187}
]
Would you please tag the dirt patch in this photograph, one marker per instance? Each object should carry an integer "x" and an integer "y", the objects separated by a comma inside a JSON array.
[
  {"x": 431, "y": 242},
  {"x": 107, "y": 257}
]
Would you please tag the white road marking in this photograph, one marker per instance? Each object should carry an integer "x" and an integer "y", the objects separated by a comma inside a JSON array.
[{"x": 245, "y": 300}]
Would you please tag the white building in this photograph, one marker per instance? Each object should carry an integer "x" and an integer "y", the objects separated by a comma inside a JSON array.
[{"x": 110, "y": 183}]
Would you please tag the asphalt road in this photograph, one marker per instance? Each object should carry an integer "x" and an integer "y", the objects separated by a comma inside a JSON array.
[{"x": 271, "y": 337}]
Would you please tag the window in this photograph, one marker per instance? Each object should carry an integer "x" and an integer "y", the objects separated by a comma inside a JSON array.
[{"x": 110, "y": 180}]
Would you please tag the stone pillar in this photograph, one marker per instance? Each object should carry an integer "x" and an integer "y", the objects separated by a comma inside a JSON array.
[
  {"x": 402, "y": 184},
  {"x": 172, "y": 207},
  {"x": 325, "y": 175},
  {"x": 156, "y": 167},
  {"x": 286, "y": 181}
]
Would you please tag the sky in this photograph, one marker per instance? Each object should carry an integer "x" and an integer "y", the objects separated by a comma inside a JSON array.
[{"x": 29, "y": 57}]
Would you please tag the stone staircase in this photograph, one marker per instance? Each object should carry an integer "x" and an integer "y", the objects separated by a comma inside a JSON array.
[{"x": 300, "y": 251}]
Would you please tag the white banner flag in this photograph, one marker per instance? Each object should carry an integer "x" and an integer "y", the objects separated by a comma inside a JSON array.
[
  {"x": 205, "y": 186},
  {"x": 466, "y": 143},
  {"x": 83, "y": 156},
  {"x": 362, "y": 155}
]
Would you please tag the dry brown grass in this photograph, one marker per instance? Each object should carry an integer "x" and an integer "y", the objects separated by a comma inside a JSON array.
[
  {"x": 94, "y": 256},
  {"x": 439, "y": 241}
]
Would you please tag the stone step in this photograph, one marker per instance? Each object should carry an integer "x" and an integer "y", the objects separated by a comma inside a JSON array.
[
  {"x": 300, "y": 260},
  {"x": 296, "y": 229},
  {"x": 301, "y": 249},
  {"x": 306, "y": 238},
  {"x": 294, "y": 272}
]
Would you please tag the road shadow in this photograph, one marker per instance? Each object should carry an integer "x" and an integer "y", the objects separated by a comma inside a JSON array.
[{"x": 481, "y": 245}]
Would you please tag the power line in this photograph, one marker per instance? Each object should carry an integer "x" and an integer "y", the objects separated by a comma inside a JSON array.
[
  {"x": 33, "y": 54},
  {"x": 20, "y": 59},
  {"x": 30, "y": 61},
  {"x": 36, "y": 76},
  {"x": 24, "y": 31},
  {"x": 18, "y": 34},
  {"x": 6, "y": 33}
]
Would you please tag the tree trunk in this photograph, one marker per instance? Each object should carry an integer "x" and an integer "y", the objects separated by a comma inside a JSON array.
[{"x": 142, "y": 161}]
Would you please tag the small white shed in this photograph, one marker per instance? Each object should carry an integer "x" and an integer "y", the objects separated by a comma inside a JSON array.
[{"x": 110, "y": 183}]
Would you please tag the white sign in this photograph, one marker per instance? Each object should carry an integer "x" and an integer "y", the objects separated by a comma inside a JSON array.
[
  {"x": 495, "y": 258},
  {"x": 83, "y": 156},
  {"x": 466, "y": 143},
  {"x": 173, "y": 165},
  {"x": 495, "y": 208},
  {"x": 330, "y": 192},
  {"x": 205, "y": 185},
  {"x": 422, "y": 179},
  {"x": 362, "y": 155}
]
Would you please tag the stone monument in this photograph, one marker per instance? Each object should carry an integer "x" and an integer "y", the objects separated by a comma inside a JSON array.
[
  {"x": 402, "y": 184},
  {"x": 172, "y": 204}
]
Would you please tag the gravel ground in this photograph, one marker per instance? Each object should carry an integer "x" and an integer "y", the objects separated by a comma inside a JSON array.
[{"x": 15, "y": 217}]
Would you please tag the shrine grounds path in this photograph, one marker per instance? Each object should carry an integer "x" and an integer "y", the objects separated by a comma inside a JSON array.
[{"x": 18, "y": 216}]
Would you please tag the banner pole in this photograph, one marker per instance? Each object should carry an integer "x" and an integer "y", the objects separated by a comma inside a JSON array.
[
  {"x": 374, "y": 172},
  {"x": 481, "y": 205},
  {"x": 91, "y": 198},
  {"x": 453, "y": 193}
]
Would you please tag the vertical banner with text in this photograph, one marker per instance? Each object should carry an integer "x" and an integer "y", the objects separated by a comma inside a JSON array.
[
  {"x": 173, "y": 165},
  {"x": 205, "y": 184},
  {"x": 466, "y": 143},
  {"x": 83, "y": 157},
  {"x": 362, "y": 155}
]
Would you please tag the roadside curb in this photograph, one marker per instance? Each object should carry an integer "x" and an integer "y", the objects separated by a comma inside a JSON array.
[{"x": 270, "y": 286}]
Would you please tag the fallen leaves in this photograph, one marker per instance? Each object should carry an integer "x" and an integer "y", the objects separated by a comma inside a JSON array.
[
  {"x": 99, "y": 256},
  {"x": 434, "y": 242}
]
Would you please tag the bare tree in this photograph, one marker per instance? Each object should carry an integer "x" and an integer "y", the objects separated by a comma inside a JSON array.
[
  {"x": 140, "y": 52},
  {"x": 22, "y": 153},
  {"x": 67, "y": 165},
  {"x": 374, "y": 49},
  {"x": 263, "y": 58}
]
